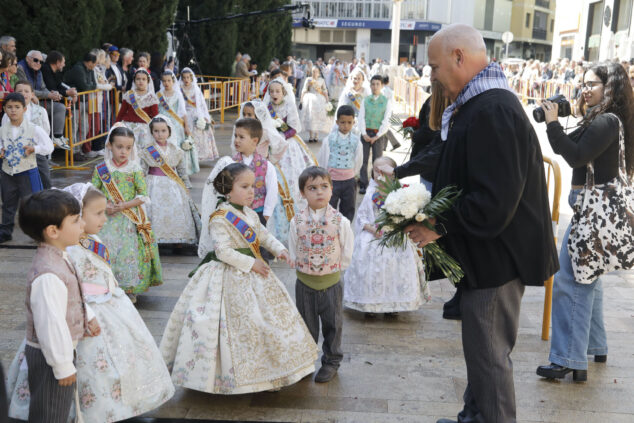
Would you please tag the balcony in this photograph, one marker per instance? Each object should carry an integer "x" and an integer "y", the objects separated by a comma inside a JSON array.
[
  {"x": 539, "y": 34},
  {"x": 542, "y": 3}
]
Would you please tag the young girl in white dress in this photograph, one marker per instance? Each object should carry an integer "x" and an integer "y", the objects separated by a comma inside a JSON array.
[
  {"x": 314, "y": 100},
  {"x": 174, "y": 216},
  {"x": 235, "y": 329},
  {"x": 198, "y": 119},
  {"x": 120, "y": 373},
  {"x": 381, "y": 279},
  {"x": 172, "y": 105}
]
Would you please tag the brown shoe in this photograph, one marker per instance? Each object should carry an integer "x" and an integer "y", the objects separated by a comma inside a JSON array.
[{"x": 325, "y": 374}]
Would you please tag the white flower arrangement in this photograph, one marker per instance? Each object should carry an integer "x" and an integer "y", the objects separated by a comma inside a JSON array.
[
  {"x": 201, "y": 123},
  {"x": 407, "y": 201},
  {"x": 187, "y": 144},
  {"x": 278, "y": 122},
  {"x": 329, "y": 107}
]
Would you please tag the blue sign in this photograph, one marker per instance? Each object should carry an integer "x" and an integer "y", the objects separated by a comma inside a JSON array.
[{"x": 371, "y": 24}]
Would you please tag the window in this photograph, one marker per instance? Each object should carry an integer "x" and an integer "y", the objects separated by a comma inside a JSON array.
[
  {"x": 552, "y": 25},
  {"x": 528, "y": 20},
  {"x": 543, "y": 3},
  {"x": 622, "y": 15},
  {"x": 540, "y": 23}
]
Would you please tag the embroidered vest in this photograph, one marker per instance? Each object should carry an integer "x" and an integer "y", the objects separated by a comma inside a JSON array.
[
  {"x": 318, "y": 246},
  {"x": 375, "y": 111},
  {"x": 14, "y": 160},
  {"x": 51, "y": 260},
  {"x": 259, "y": 166},
  {"x": 342, "y": 150}
]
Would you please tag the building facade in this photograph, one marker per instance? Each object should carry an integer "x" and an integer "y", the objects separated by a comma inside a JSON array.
[
  {"x": 362, "y": 28},
  {"x": 603, "y": 31}
]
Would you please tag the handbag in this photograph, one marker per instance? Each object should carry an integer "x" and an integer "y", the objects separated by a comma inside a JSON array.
[{"x": 601, "y": 237}]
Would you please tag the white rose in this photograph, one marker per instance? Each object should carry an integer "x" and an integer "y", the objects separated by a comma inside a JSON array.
[
  {"x": 420, "y": 217},
  {"x": 201, "y": 123},
  {"x": 278, "y": 122},
  {"x": 329, "y": 107}
]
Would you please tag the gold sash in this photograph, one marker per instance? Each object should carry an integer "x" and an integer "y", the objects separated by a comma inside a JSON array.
[
  {"x": 167, "y": 107},
  {"x": 167, "y": 169},
  {"x": 285, "y": 195},
  {"x": 243, "y": 228},
  {"x": 137, "y": 109}
]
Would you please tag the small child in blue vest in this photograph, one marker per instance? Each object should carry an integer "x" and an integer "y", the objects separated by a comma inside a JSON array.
[
  {"x": 341, "y": 153},
  {"x": 374, "y": 121},
  {"x": 20, "y": 142}
]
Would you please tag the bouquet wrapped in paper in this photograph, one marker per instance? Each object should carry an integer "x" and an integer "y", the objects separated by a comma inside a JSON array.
[{"x": 403, "y": 205}]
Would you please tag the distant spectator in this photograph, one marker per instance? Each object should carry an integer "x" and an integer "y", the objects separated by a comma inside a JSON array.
[
  {"x": 5, "y": 81},
  {"x": 12, "y": 67},
  {"x": 242, "y": 68},
  {"x": 7, "y": 43},
  {"x": 156, "y": 69},
  {"x": 114, "y": 73},
  {"x": 30, "y": 69},
  {"x": 143, "y": 60},
  {"x": 127, "y": 56},
  {"x": 52, "y": 74},
  {"x": 81, "y": 75},
  {"x": 234, "y": 65}
]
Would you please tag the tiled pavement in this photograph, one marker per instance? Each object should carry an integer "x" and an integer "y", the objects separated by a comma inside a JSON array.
[{"x": 405, "y": 369}]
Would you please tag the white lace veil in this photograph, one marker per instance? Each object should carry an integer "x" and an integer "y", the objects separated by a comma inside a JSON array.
[
  {"x": 208, "y": 206},
  {"x": 201, "y": 106},
  {"x": 289, "y": 95},
  {"x": 366, "y": 84},
  {"x": 150, "y": 84},
  {"x": 172, "y": 138},
  {"x": 79, "y": 190},
  {"x": 133, "y": 160},
  {"x": 271, "y": 135},
  {"x": 288, "y": 102}
]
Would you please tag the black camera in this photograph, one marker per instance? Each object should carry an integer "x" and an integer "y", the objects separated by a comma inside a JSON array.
[{"x": 560, "y": 100}]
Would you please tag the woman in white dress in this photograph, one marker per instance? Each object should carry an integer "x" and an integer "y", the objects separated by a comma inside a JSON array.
[
  {"x": 235, "y": 329},
  {"x": 120, "y": 373},
  {"x": 174, "y": 216},
  {"x": 198, "y": 119},
  {"x": 382, "y": 279},
  {"x": 314, "y": 100},
  {"x": 172, "y": 105}
]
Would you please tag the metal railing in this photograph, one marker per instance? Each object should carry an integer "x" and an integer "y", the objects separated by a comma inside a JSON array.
[{"x": 411, "y": 94}]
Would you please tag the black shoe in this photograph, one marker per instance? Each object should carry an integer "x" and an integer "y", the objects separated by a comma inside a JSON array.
[
  {"x": 555, "y": 371},
  {"x": 452, "y": 314},
  {"x": 446, "y": 421},
  {"x": 600, "y": 358},
  {"x": 325, "y": 374},
  {"x": 5, "y": 238},
  {"x": 392, "y": 315},
  {"x": 361, "y": 190},
  {"x": 396, "y": 145}
]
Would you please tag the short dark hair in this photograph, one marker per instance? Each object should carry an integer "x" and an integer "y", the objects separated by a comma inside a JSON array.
[
  {"x": 159, "y": 119},
  {"x": 89, "y": 57},
  {"x": 23, "y": 82},
  {"x": 275, "y": 72},
  {"x": 377, "y": 78},
  {"x": 120, "y": 131},
  {"x": 311, "y": 173},
  {"x": 225, "y": 179},
  {"x": 386, "y": 80},
  {"x": 45, "y": 208},
  {"x": 253, "y": 126},
  {"x": 14, "y": 97},
  {"x": 345, "y": 110},
  {"x": 53, "y": 57}
]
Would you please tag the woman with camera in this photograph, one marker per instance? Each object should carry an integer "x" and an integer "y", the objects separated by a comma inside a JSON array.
[{"x": 606, "y": 104}]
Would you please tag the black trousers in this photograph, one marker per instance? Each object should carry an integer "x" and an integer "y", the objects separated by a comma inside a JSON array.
[
  {"x": 327, "y": 306},
  {"x": 377, "y": 151},
  {"x": 13, "y": 188},
  {"x": 344, "y": 197},
  {"x": 50, "y": 403}
]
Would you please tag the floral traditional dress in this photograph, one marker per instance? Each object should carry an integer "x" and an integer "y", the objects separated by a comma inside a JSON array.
[
  {"x": 175, "y": 218},
  {"x": 382, "y": 279},
  {"x": 196, "y": 113},
  {"x": 120, "y": 373},
  {"x": 313, "y": 114},
  {"x": 135, "y": 262},
  {"x": 173, "y": 107},
  {"x": 234, "y": 331}
]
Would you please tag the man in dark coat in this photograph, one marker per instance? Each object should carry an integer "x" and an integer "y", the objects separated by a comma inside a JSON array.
[{"x": 500, "y": 229}]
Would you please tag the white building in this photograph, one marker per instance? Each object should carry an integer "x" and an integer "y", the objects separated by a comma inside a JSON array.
[
  {"x": 594, "y": 30},
  {"x": 362, "y": 28}
]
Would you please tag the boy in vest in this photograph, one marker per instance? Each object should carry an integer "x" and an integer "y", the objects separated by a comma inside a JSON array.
[
  {"x": 247, "y": 136},
  {"x": 374, "y": 121},
  {"x": 56, "y": 316},
  {"x": 20, "y": 142},
  {"x": 341, "y": 154},
  {"x": 320, "y": 242}
]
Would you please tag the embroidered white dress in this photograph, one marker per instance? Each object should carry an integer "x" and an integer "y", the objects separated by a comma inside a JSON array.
[
  {"x": 232, "y": 330},
  {"x": 176, "y": 104},
  {"x": 174, "y": 216},
  {"x": 313, "y": 114},
  {"x": 382, "y": 280},
  {"x": 203, "y": 138},
  {"x": 120, "y": 373}
]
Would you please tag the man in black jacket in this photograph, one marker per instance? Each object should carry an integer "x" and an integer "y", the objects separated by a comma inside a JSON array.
[
  {"x": 53, "y": 75},
  {"x": 500, "y": 229}
]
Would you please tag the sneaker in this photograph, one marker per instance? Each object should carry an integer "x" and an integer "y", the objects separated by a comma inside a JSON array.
[
  {"x": 91, "y": 154},
  {"x": 61, "y": 142},
  {"x": 101, "y": 152}
]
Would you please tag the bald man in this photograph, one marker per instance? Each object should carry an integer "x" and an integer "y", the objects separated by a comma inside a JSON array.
[{"x": 500, "y": 228}]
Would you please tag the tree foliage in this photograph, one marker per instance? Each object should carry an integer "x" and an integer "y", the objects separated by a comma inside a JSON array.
[{"x": 76, "y": 26}]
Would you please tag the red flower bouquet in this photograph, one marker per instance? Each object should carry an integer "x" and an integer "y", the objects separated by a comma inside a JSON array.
[{"x": 407, "y": 127}]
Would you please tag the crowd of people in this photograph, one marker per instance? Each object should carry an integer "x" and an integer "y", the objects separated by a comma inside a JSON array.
[{"x": 235, "y": 329}]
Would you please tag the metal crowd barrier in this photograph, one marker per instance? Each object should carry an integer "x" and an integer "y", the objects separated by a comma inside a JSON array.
[
  {"x": 411, "y": 94},
  {"x": 223, "y": 93},
  {"x": 538, "y": 90}
]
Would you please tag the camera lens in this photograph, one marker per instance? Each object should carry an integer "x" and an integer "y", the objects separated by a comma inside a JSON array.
[{"x": 538, "y": 115}]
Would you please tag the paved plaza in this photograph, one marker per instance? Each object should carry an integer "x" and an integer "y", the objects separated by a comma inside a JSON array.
[{"x": 404, "y": 369}]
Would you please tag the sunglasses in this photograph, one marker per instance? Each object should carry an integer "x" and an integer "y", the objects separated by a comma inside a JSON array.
[{"x": 36, "y": 60}]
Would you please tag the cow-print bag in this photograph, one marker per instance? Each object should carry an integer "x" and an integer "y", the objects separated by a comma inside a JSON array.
[{"x": 601, "y": 236}]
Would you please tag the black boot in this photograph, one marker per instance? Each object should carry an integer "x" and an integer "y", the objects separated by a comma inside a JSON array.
[
  {"x": 451, "y": 309},
  {"x": 555, "y": 371}
]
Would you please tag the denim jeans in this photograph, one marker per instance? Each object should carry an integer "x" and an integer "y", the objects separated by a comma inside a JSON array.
[{"x": 578, "y": 329}]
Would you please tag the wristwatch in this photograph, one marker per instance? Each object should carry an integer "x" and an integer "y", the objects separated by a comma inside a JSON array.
[{"x": 440, "y": 229}]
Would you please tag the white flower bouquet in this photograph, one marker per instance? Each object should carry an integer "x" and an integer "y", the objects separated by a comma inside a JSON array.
[
  {"x": 201, "y": 124},
  {"x": 331, "y": 107},
  {"x": 187, "y": 144},
  {"x": 403, "y": 205}
]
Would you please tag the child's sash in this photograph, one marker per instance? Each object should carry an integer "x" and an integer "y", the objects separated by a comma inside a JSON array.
[
  {"x": 378, "y": 199},
  {"x": 187, "y": 99},
  {"x": 284, "y": 128},
  {"x": 169, "y": 110},
  {"x": 138, "y": 109},
  {"x": 96, "y": 247},
  {"x": 249, "y": 235},
  {"x": 285, "y": 195},
  {"x": 167, "y": 169},
  {"x": 356, "y": 100},
  {"x": 141, "y": 221}
]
